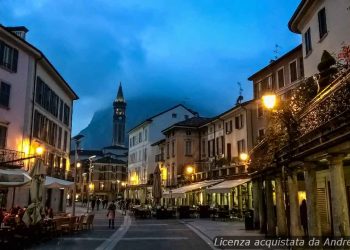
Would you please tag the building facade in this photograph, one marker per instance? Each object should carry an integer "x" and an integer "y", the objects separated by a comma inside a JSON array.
[
  {"x": 35, "y": 111},
  {"x": 324, "y": 25}
]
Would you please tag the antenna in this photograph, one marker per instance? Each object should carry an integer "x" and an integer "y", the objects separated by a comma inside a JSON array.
[
  {"x": 276, "y": 51},
  {"x": 240, "y": 97}
]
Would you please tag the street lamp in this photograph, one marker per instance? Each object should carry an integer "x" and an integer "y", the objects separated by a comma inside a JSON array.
[
  {"x": 77, "y": 139},
  {"x": 39, "y": 150},
  {"x": 189, "y": 170},
  {"x": 90, "y": 184},
  {"x": 269, "y": 101},
  {"x": 243, "y": 157}
]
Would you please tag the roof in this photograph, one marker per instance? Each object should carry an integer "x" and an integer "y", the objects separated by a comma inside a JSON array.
[
  {"x": 301, "y": 9},
  {"x": 120, "y": 96},
  {"x": 193, "y": 122},
  {"x": 148, "y": 120},
  {"x": 15, "y": 28},
  {"x": 108, "y": 159},
  {"x": 116, "y": 147},
  {"x": 40, "y": 56},
  {"x": 158, "y": 142},
  {"x": 87, "y": 152},
  {"x": 273, "y": 63}
]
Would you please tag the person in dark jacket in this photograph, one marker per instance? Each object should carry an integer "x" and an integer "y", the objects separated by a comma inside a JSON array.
[
  {"x": 303, "y": 217},
  {"x": 111, "y": 214}
]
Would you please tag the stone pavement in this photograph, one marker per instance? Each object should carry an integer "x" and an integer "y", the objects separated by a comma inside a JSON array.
[
  {"x": 86, "y": 239},
  {"x": 208, "y": 229}
]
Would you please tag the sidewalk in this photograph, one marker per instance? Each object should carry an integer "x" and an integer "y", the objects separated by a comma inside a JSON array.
[{"x": 211, "y": 228}]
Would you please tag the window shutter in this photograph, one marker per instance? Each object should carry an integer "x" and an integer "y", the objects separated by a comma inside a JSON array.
[
  {"x": 14, "y": 60},
  {"x": 2, "y": 47}
]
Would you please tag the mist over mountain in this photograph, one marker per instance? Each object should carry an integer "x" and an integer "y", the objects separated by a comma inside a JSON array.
[{"x": 98, "y": 133}]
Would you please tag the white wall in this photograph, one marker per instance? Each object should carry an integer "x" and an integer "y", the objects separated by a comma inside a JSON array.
[
  {"x": 338, "y": 26},
  {"x": 15, "y": 115}
]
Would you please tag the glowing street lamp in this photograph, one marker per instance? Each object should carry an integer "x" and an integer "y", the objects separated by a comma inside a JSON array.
[
  {"x": 243, "y": 156},
  {"x": 39, "y": 150},
  {"x": 269, "y": 101},
  {"x": 189, "y": 170}
]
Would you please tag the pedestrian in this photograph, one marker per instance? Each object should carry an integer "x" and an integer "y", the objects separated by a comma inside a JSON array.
[
  {"x": 111, "y": 215},
  {"x": 98, "y": 202},
  {"x": 303, "y": 216},
  {"x": 93, "y": 202}
]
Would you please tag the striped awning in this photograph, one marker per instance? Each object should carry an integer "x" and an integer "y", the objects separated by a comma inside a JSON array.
[
  {"x": 181, "y": 191},
  {"x": 226, "y": 186}
]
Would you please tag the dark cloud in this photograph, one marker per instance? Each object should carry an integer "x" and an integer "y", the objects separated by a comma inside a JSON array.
[{"x": 179, "y": 49}]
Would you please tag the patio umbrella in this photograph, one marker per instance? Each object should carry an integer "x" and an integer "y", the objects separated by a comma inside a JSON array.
[
  {"x": 157, "y": 186},
  {"x": 32, "y": 214}
]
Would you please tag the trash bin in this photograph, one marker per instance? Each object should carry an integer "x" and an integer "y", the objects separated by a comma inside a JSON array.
[{"x": 249, "y": 220}]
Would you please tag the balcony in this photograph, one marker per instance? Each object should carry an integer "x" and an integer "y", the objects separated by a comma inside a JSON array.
[
  {"x": 11, "y": 158},
  {"x": 326, "y": 121}
]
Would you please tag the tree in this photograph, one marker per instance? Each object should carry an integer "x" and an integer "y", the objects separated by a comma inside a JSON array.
[{"x": 327, "y": 69}]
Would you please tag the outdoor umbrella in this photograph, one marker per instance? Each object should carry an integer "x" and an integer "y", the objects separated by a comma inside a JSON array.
[
  {"x": 157, "y": 186},
  {"x": 33, "y": 213}
]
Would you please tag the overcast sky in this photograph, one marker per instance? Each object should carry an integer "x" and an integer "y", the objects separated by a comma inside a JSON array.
[{"x": 195, "y": 50}]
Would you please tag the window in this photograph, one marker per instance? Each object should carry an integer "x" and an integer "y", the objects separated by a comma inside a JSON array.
[
  {"x": 173, "y": 148},
  {"x": 102, "y": 186},
  {"x": 5, "y": 94},
  {"x": 174, "y": 115},
  {"x": 186, "y": 117},
  {"x": 188, "y": 132},
  {"x": 140, "y": 137},
  {"x": 188, "y": 148},
  {"x": 145, "y": 154},
  {"x": 44, "y": 129},
  {"x": 168, "y": 150},
  {"x": 307, "y": 40},
  {"x": 261, "y": 133},
  {"x": 130, "y": 143},
  {"x": 3, "y": 134},
  {"x": 61, "y": 110},
  {"x": 280, "y": 78},
  {"x": 239, "y": 121},
  {"x": 260, "y": 111},
  {"x": 65, "y": 140},
  {"x": 203, "y": 147},
  {"x": 46, "y": 97},
  {"x": 293, "y": 71},
  {"x": 322, "y": 22},
  {"x": 145, "y": 134},
  {"x": 241, "y": 146},
  {"x": 66, "y": 114},
  {"x": 59, "y": 141},
  {"x": 8, "y": 57}
]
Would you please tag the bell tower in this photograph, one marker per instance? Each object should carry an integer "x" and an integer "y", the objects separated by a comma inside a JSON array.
[{"x": 119, "y": 106}]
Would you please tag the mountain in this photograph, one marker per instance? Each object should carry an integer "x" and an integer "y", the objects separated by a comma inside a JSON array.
[{"x": 98, "y": 133}]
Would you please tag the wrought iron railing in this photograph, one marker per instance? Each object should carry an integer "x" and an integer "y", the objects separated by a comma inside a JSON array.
[{"x": 11, "y": 158}]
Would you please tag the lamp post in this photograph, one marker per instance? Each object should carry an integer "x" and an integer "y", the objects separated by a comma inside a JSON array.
[
  {"x": 90, "y": 184},
  {"x": 77, "y": 142}
]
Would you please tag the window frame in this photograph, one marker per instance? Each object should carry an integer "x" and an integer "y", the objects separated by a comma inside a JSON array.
[
  {"x": 322, "y": 23},
  {"x": 296, "y": 71},
  {"x": 308, "y": 42},
  {"x": 7, "y": 106},
  {"x": 278, "y": 77}
]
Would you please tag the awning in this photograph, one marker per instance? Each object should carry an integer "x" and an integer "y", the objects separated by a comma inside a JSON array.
[
  {"x": 226, "y": 186},
  {"x": 51, "y": 182},
  {"x": 14, "y": 177},
  {"x": 181, "y": 191}
]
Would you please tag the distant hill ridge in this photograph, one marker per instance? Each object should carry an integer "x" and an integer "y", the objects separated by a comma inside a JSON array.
[{"x": 98, "y": 133}]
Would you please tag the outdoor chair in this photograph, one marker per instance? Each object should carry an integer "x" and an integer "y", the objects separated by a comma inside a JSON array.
[
  {"x": 79, "y": 223},
  {"x": 88, "y": 223},
  {"x": 69, "y": 227}
]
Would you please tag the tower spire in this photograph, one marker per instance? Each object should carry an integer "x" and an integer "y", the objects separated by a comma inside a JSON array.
[{"x": 120, "y": 96}]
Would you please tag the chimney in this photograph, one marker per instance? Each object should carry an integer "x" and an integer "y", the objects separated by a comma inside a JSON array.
[{"x": 19, "y": 31}]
